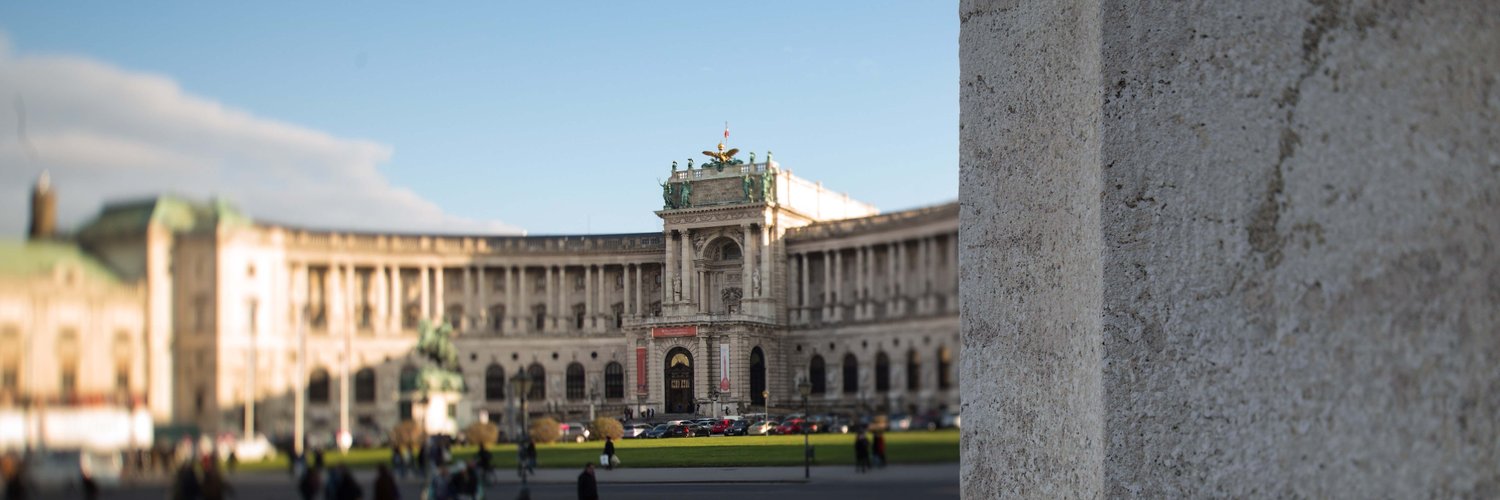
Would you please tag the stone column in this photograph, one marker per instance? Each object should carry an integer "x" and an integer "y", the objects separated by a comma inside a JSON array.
[
  {"x": 805, "y": 290},
  {"x": 521, "y": 316},
  {"x": 669, "y": 272},
  {"x": 425, "y": 277},
  {"x": 686, "y": 258},
  {"x": 765, "y": 252},
  {"x": 589, "y": 306},
  {"x": 891, "y": 278},
  {"x": 840, "y": 293},
  {"x": 748, "y": 262},
  {"x": 466, "y": 322},
  {"x": 604, "y": 319},
  {"x": 640, "y": 280},
  {"x": 827, "y": 286},
  {"x": 861, "y": 258},
  {"x": 439, "y": 289},
  {"x": 550, "y": 289},
  {"x": 482, "y": 289},
  {"x": 397, "y": 299}
]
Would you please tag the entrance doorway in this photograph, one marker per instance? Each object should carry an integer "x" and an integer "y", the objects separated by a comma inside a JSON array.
[
  {"x": 679, "y": 380},
  {"x": 757, "y": 377}
]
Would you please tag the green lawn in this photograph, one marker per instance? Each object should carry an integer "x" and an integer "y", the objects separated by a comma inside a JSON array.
[{"x": 829, "y": 449}]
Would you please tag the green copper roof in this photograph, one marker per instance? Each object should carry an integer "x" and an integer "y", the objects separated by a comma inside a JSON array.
[
  {"x": 25, "y": 259},
  {"x": 176, "y": 214}
]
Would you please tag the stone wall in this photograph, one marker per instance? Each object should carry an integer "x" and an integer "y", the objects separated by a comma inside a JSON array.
[{"x": 1299, "y": 214}]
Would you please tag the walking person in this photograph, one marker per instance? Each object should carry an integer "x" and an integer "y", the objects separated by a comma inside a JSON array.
[
  {"x": 879, "y": 449},
  {"x": 531, "y": 456},
  {"x": 609, "y": 453},
  {"x": 861, "y": 453},
  {"x": 348, "y": 486},
  {"x": 485, "y": 467},
  {"x": 588, "y": 488},
  {"x": 385, "y": 485},
  {"x": 398, "y": 461},
  {"x": 188, "y": 487},
  {"x": 311, "y": 483},
  {"x": 214, "y": 486}
]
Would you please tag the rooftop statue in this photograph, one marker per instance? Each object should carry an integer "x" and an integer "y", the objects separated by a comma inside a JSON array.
[
  {"x": 722, "y": 157},
  {"x": 666, "y": 192},
  {"x": 685, "y": 193}
]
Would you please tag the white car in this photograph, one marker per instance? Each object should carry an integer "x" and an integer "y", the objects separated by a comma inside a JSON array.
[{"x": 636, "y": 430}]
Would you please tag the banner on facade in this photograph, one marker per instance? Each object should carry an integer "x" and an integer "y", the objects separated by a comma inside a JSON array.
[
  {"x": 723, "y": 368},
  {"x": 640, "y": 371},
  {"x": 675, "y": 331}
]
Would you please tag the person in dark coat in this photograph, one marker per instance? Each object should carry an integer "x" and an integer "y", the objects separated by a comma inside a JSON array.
[
  {"x": 879, "y": 449},
  {"x": 385, "y": 485},
  {"x": 531, "y": 456},
  {"x": 861, "y": 453},
  {"x": 187, "y": 484},
  {"x": 318, "y": 458},
  {"x": 348, "y": 486},
  {"x": 311, "y": 483},
  {"x": 486, "y": 466},
  {"x": 609, "y": 452},
  {"x": 588, "y": 488},
  {"x": 214, "y": 486}
]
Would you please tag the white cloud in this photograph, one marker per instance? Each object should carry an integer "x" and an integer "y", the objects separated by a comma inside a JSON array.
[{"x": 106, "y": 133}]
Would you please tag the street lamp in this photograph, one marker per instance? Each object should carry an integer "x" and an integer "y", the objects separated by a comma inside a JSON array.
[
  {"x": 765, "y": 401},
  {"x": 520, "y": 385},
  {"x": 805, "y": 388}
]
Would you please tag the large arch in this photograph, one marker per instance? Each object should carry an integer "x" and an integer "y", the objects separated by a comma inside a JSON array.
[
  {"x": 913, "y": 371},
  {"x": 882, "y": 372},
  {"x": 817, "y": 375},
  {"x": 945, "y": 368},
  {"x": 678, "y": 381},
  {"x": 318, "y": 386},
  {"x": 494, "y": 383},
  {"x": 757, "y": 376},
  {"x": 364, "y": 385},
  {"x": 614, "y": 380},
  {"x": 575, "y": 381},
  {"x": 851, "y": 374},
  {"x": 538, "y": 375}
]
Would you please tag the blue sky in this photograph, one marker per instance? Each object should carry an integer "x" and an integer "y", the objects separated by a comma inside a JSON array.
[{"x": 555, "y": 117}]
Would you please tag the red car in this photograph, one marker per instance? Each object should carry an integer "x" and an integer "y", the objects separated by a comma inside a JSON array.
[
  {"x": 721, "y": 427},
  {"x": 794, "y": 426}
]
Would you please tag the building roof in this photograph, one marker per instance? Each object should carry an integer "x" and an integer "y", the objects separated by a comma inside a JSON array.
[
  {"x": 175, "y": 213},
  {"x": 861, "y": 225},
  {"x": 27, "y": 259}
]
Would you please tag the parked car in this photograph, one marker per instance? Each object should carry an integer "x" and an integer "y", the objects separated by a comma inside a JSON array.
[
  {"x": 765, "y": 428},
  {"x": 659, "y": 431},
  {"x": 680, "y": 430},
  {"x": 738, "y": 428},
  {"x": 949, "y": 420},
  {"x": 721, "y": 427},
  {"x": 636, "y": 430},
  {"x": 795, "y": 426},
  {"x": 574, "y": 431},
  {"x": 702, "y": 429},
  {"x": 899, "y": 422}
]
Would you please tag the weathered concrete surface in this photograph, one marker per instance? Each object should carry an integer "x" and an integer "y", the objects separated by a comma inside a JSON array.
[
  {"x": 1300, "y": 212},
  {"x": 1030, "y": 306}
]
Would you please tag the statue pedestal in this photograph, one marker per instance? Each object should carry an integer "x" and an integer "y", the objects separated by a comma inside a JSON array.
[{"x": 439, "y": 412}]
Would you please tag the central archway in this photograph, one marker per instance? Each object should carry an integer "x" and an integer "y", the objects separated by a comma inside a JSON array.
[
  {"x": 757, "y": 376},
  {"x": 679, "y": 381}
]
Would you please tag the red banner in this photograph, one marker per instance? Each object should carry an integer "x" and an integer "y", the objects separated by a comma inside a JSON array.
[
  {"x": 640, "y": 370},
  {"x": 675, "y": 331}
]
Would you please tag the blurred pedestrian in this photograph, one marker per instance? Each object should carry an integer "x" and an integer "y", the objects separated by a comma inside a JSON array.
[
  {"x": 232, "y": 462},
  {"x": 588, "y": 488},
  {"x": 214, "y": 486},
  {"x": 187, "y": 486},
  {"x": 437, "y": 485},
  {"x": 486, "y": 467},
  {"x": 332, "y": 483},
  {"x": 531, "y": 456},
  {"x": 609, "y": 453},
  {"x": 879, "y": 449},
  {"x": 311, "y": 483},
  {"x": 385, "y": 485},
  {"x": 861, "y": 452},
  {"x": 398, "y": 461},
  {"x": 348, "y": 485},
  {"x": 90, "y": 488}
]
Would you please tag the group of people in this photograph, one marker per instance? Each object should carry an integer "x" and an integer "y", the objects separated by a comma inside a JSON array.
[{"x": 865, "y": 450}]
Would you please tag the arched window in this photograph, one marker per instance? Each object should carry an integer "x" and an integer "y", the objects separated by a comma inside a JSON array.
[
  {"x": 497, "y": 318},
  {"x": 913, "y": 371},
  {"x": 575, "y": 381},
  {"x": 364, "y": 385},
  {"x": 757, "y": 376},
  {"x": 614, "y": 381},
  {"x": 818, "y": 375},
  {"x": 538, "y": 382},
  {"x": 945, "y": 368},
  {"x": 317, "y": 386},
  {"x": 882, "y": 372},
  {"x": 851, "y": 374},
  {"x": 494, "y": 383},
  {"x": 540, "y": 313},
  {"x": 408, "y": 378}
]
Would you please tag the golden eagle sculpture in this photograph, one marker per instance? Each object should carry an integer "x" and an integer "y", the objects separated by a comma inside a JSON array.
[{"x": 722, "y": 156}]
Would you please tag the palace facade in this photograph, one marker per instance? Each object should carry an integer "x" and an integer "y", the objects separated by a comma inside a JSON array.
[{"x": 758, "y": 279}]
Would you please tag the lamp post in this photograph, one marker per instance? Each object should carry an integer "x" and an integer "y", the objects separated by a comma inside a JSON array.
[
  {"x": 805, "y": 388},
  {"x": 520, "y": 385},
  {"x": 765, "y": 402}
]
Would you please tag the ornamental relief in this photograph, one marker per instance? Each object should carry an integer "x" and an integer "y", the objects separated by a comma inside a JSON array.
[{"x": 713, "y": 217}]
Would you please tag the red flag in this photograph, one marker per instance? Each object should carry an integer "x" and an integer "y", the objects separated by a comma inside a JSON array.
[{"x": 726, "y": 131}]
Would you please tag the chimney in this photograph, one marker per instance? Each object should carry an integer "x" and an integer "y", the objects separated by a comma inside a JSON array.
[{"x": 43, "y": 210}]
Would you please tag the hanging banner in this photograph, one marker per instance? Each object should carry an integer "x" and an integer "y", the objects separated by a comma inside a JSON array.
[
  {"x": 723, "y": 368},
  {"x": 675, "y": 331},
  {"x": 640, "y": 371}
]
